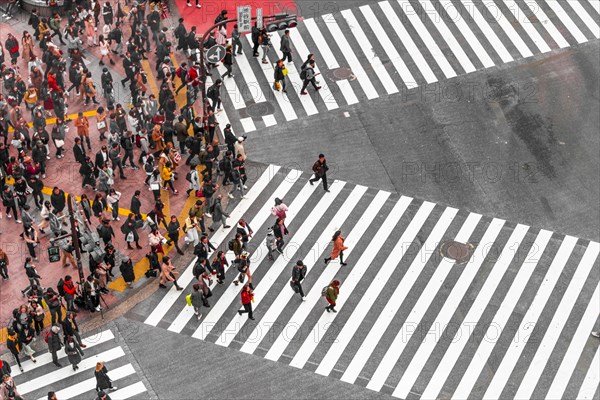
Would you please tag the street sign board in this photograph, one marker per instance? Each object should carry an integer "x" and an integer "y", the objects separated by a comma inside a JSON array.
[
  {"x": 259, "y": 18},
  {"x": 244, "y": 18},
  {"x": 215, "y": 54}
]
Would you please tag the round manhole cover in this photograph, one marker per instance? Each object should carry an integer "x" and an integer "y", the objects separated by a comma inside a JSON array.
[
  {"x": 258, "y": 110},
  {"x": 459, "y": 252},
  {"x": 342, "y": 73}
]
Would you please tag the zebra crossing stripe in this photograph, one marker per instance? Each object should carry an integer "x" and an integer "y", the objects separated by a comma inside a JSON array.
[
  {"x": 547, "y": 23},
  {"x": 232, "y": 292},
  {"x": 595, "y": 4},
  {"x": 128, "y": 391},
  {"x": 508, "y": 29},
  {"x": 284, "y": 102},
  {"x": 591, "y": 380},
  {"x": 90, "y": 384},
  {"x": 542, "y": 354},
  {"x": 467, "y": 33},
  {"x": 443, "y": 317},
  {"x": 269, "y": 120},
  {"x": 46, "y": 358},
  {"x": 578, "y": 341},
  {"x": 259, "y": 219},
  {"x": 446, "y": 365},
  {"x": 294, "y": 77},
  {"x": 367, "y": 300},
  {"x": 395, "y": 300},
  {"x": 407, "y": 41},
  {"x": 186, "y": 277},
  {"x": 424, "y": 34},
  {"x": 388, "y": 47},
  {"x": 322, "y": 45},
  {"x": 252, "y": 84},
  {"x": 302, "y": 52},
  {"x": 351, "y": 59},
  {"x": 364, "y": 262},
  {"x": 487, "y": 30},
  {"x": 279, "y": 265},
  {"x": 567, "y": 21},
  {"x": 486, "y": 347},
  {"x": 585, "y": 17},
  {"x": 248, "y": 124},
  {"x": 369, "y": 52},
  {"x": 447, "y": 35},
  {"x": 418, "y": 265},
  {"x": 234, "y": 92},
  {"x": 66, "y": 372},
  {"x": 426, "y": 297},
  {"x": 517, "y": 345},
  {"x": 325, "y": 277},
  {"x": 527, "y": 25}
]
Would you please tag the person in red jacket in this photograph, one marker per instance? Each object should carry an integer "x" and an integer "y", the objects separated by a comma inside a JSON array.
[
  {"x": 70, "y": 290},
  {"x": 247, "y": 297}
]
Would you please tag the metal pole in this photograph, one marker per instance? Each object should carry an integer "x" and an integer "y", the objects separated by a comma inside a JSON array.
[{"x": 75, "y": 239}]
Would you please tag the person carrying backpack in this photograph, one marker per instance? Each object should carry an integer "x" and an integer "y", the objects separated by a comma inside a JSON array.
[
  {"x": 331, "y": 294},
  {"x": 308, "y": 75}
]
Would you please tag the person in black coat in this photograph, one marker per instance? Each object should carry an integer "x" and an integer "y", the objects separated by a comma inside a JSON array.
[
  {"x": 58, "y": 200},
  {"x": 173, "y": 230},
  {"x": 102, "y": 379},
  {"x": 130, "y": 226},
  {"x": 87, "y": 172},
  {"x": 79, "y": 151},
  {"x": 70, "y": 328},
  {"x": 36, "y": 186},
  {"x": 298, "y": 274},
  {"x": 105, "y": 231},
  {"x": 127, "y": 271},
  {"x": 203, "y": 247},
  {"x": 136, "y": 205},
  {"x": 54, "y": 344}
]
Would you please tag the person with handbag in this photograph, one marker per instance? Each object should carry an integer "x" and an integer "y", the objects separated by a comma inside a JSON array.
[
  {"x": 129, "y": 229},
  {"x": 113, "y": 202},
  {"x": 59, "y": 132},
  {"x": 279, "y": 74},
  {"x": 8, "y": 389},
  {"x": 73, "y": 351},
  {"x": 102, "y": 379}
]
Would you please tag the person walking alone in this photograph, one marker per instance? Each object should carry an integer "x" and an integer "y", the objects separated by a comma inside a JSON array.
[
  {"x": 102, "y": 380},
  {"x": 54, "y": 344},
  {"x": 168, "y": 273},
  {"x": 331, "y": 295},
  {"x": 298, "y": 275},
  {"x": 286, "y": 46},
  {"x": 73, "y": 352},
  {"x": 247, "y": 297},
  {"x": 308, "y": 75},
  {"x": 320, "y": 169},
  {"x": 338, "y": 248}
]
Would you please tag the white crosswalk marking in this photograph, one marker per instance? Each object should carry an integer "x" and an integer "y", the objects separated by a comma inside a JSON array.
[
  {"x": 322, "y": 45},
  {"x": 271, "y": 314},
  {"x": 232, "y": 89},
  {"x": 351, "y": 59},
  {"x": 367, "y": 49},
  {"x": 294, "y": 77},
  {"x": 350, "y": 283},
  {"x": 527, "y": 25},
  {"x": 592, "y": 379},
  {"x": 543, "y": 352},
  {"x": 513, "y": 353},
  {"x": 544, "y": 21},
  {"x": 232, "y": 292},
  {"x": 415, "y": 316},
  {"x": 424, "y": 34},
  {"x": 184, "y": 279},
  {"x": 248, "y": 124},
  {"x": 395, "y": 300},
  {"x": 305, "y": 307},
  {"x": 501, "y": 317},
  {"x": 269, "y": 120},
  {"x": 595, "y": 4},
  {"x": 407, "y": 41},
  {"x": 456, "y": 16},
  {"x": 445, "y": 314},
  {"x": 252, "y": 83},
  {"x": 384, "y": 274},
  {"x": 442, "y": 28},
  {"x": 487, "y": 30},
  {"x": 498, "y": 16},
  {"x": 388, "y": 47},
  {"x": 186, "y": 314},
  {"x": 578, "y": 341},
  {"x": 302, "y": 52},
  {"x": 128, "y": 391},
  {"x": 585, "y": 17},
  {"x": 567, "y": 21}
]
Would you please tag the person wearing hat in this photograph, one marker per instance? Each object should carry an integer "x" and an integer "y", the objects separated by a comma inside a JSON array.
[
  {"x": 298, "y": 275},
  {"x": 54, "y": 344},
  {"x": 239, "y": 148},
  {"x": 127, "y": 271}
]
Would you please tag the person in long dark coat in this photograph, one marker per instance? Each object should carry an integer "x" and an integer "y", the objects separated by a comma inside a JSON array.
[
  {"x": 74, "y": 352},
  {"x": 130, "y": 227},
  {"x": 173, "y": 230},
  {"x": 102, "y": 380},
  {"x": 127, "y": 272}
]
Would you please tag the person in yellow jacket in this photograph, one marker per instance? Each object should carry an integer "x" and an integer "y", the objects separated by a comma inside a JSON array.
[{"x": 167, "y": 177}]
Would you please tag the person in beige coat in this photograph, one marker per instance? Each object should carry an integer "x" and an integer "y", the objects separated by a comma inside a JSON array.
[
  {"x": 27, "y": 46},
  {"x": 168, "y": 273}
]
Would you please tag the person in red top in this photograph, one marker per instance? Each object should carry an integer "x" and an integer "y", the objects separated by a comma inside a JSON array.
[
  {"x": 52, "y": 85},
  {"x": 247, "y": 297},
  {"x": 70, "y": 290}
]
